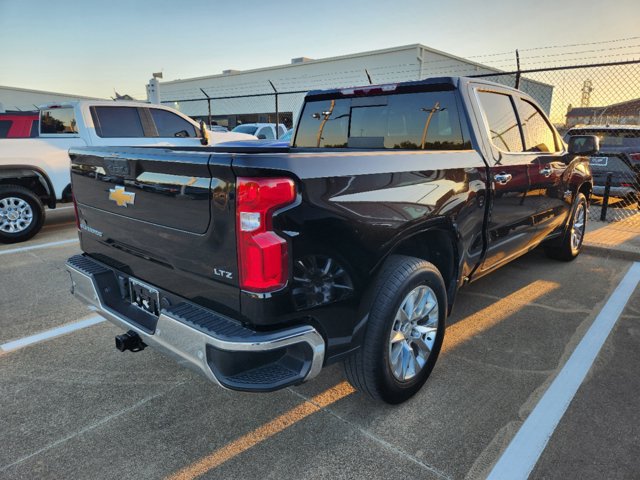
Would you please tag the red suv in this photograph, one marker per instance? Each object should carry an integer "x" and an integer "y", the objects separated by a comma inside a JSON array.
[{"x": 19, "y": 124}]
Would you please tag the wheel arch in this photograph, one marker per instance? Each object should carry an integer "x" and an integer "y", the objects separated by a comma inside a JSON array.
[
  {"x": 438, "y": 244},
  {"x": 586, "y": 188},
  {"x": 32, "y": 178}
]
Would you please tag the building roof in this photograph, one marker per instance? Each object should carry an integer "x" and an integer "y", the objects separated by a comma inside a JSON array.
[
  {"x": 308, "y": 61},
  {"x": 612, "y": 126},
  {"x": 44, "y": 92},
  {"x": 628, "y": 107},
  {"x": 583, "y": 111}
]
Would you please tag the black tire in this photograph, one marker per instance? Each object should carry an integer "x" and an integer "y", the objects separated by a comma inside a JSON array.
[
  {"x": 369, "y": 368},
  {"x": 37, "y": 211},
  {"x": 565, "y": 249}
]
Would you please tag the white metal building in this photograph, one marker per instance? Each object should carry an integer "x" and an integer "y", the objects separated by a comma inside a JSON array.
[
  {"x": 13, "y": 98},
  {"x": 410, "y": 62}
]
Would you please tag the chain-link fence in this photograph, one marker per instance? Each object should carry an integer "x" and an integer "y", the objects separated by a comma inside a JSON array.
[{"x": 599, "y": 99}]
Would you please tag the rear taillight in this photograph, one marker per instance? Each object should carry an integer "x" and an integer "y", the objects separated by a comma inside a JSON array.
[
  {"x": 263, "y": 260},
  {"x": 635, "y": 157},
  {"x": 75, "y": 210}
]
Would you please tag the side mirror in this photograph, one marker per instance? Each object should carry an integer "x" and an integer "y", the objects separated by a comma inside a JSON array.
[
  {"x": 584, "y": 144},
  {"x": 262, "y": 136}
]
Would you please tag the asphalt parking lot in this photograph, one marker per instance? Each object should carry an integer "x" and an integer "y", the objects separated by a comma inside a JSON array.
[{"x": 74, "y": 407}]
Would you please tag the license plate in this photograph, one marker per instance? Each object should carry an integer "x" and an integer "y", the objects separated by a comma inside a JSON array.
[
  {"x": 599, "y": 161},
  {"x": 144, "y": 297}
]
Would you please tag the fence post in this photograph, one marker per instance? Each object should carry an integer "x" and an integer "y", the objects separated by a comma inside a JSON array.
[
  {"x": 605, "y": 199},
  {"x": 208, "y": 105},
  {"x": 277, "y": 114},
  {"x": 518, "y": 69}
]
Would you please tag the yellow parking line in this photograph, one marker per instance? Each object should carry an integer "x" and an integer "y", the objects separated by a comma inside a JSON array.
[
  {"x": 457, "y": 334},
  {"x": 264, "y": 432}
]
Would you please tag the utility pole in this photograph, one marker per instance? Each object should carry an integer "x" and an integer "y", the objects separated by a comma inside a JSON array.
[
  {"x": 517, "y": 85},
  {"x": 587, "y": 88}
]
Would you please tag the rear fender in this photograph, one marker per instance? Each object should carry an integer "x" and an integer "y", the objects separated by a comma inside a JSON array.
[
  {"x": 439, "y": 243},
  {"x": 25, "y": 176}
]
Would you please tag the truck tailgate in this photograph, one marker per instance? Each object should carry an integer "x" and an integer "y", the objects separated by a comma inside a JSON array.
[{"x": 134, "y": 201}]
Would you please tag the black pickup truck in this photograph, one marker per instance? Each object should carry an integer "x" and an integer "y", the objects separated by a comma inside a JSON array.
[{"x": 257, "y": 266}]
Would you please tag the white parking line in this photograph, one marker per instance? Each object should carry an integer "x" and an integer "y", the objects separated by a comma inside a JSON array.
[
  {"x": 48, "y": 334},
  {"x": 38, "y": 246},
  {"x": 525, "y": 448}
]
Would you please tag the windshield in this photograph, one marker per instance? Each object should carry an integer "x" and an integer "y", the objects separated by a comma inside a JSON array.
[
  {"x": 287, "y": 136},
  {"x": 250, "y": 129}
]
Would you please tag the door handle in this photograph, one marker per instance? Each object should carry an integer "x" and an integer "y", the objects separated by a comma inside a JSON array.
[
  {"x": 546, "y": 171},
  {"x": 502, "y": 178}
]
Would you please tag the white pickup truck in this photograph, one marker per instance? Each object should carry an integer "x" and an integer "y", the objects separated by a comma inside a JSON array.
[{"x": 35, "y": 171}]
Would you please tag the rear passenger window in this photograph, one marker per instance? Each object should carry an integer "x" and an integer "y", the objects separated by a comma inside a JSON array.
[
  {"x": 117, "y": 122},
  {"x": 503, "y": 123},
  {"x": 411, "y": 121},
  {"x": 538, "y": 135},
  {"x": 58, "y": 120},
  {"x": 169, "y": 124}
]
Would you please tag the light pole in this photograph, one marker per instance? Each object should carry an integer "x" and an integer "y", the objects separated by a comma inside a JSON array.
[
  {"x": 325, "y": 119},
  {"x": 432, "y": 110}
]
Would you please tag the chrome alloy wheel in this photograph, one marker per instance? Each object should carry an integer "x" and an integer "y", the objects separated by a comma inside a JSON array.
[
  {"x": 578, "y": 227},
  {"x": 16, "y": 215},
  {"x": 413, "y": 334}
]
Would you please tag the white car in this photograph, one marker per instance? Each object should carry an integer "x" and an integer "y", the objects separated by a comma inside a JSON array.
[
  {"x": 35, "y": 171},
  {"x": 264, "y": 131}
]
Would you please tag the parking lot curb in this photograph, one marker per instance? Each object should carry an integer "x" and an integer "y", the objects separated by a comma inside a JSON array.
[{"x": 608, "y": 252}]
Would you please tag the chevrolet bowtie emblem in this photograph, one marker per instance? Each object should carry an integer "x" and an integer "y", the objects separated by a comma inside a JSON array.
[{"x": 121, "y": 197}]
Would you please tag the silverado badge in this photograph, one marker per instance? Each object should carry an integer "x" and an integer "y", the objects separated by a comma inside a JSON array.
[{"x": 121, "y": 197}]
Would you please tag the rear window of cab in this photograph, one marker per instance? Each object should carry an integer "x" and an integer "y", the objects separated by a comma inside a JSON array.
[{"x": 409, "y": 121}]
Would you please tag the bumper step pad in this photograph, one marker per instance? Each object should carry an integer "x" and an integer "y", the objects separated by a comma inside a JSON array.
[{"x": 225, "y": 351}]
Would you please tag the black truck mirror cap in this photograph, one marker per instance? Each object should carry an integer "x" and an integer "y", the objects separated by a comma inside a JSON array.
[{"x": 584, "y": 144}]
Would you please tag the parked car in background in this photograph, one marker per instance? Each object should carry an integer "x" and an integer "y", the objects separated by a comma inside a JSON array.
[
  {"x": 351, "y": 245},
  {"x": 264, "y": 131},
  {"x": 19, "y": 124},
  {"x": 619, "y": 155},
  {"x": 35, "y": 171}
]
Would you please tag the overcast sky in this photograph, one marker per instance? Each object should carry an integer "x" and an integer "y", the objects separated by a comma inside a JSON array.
[{"x": 93, "y": 47}]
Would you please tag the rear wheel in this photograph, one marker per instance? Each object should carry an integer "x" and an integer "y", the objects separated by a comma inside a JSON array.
[
  {"x": 570, "y": 244},
  {"x": 404, "y": 333},
  {"x": 21, "y": 214}
]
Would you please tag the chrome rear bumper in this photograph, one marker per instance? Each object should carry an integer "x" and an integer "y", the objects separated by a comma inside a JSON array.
[{"x": 226, "y": 352}]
